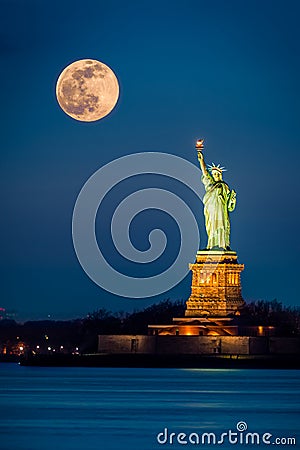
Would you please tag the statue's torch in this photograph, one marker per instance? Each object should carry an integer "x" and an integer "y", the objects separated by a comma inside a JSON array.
[{"x": 200, "y": 145}]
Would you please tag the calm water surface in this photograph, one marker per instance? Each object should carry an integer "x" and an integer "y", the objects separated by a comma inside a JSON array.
[{"x": 108, "y": 409}]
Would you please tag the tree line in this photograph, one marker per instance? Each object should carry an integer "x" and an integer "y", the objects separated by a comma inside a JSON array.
[{"x": 83, "y": 332}]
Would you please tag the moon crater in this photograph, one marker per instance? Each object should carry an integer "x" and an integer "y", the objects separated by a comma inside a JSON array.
[{"x": 87, "y": 90}]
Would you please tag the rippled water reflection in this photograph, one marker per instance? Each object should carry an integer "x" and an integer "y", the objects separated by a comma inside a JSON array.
[{"x": 112, "y": 409}]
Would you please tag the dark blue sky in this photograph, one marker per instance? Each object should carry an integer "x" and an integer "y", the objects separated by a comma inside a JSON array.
[{"x": 226, "y": 71}]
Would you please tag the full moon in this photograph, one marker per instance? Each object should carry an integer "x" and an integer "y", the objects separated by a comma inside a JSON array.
[{"x": 87, "y": 90}]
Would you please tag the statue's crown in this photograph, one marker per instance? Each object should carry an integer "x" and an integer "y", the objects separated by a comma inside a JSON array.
[{"x": 214, "y": 167}]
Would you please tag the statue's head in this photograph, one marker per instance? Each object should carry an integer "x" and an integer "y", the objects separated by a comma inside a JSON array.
[
  {"x": 216, "y": 171},
  {"x": 217, "y": 176}
]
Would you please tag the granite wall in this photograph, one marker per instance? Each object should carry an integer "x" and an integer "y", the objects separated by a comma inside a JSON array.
[{"x": 206, "y": 345}]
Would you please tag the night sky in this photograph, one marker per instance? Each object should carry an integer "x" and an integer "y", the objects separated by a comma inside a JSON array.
[{"x": 227, "y": 71}]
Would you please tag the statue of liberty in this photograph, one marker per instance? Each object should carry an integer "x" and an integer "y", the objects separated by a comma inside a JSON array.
[{"x": 218, "y": 202}]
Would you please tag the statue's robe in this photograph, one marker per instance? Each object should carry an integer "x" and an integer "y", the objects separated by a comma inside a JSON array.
[{"x": 217, "y": 204}]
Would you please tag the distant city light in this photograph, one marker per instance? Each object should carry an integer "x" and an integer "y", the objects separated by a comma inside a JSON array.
[
  {"x": 37, "y": 346},
  {"x": 21, "y": 348},
  {"x": 61, "y": 347},
  {"x": 49, "y": 348}
]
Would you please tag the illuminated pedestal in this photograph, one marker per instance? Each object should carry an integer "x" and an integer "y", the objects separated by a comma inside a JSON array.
[
  {"x": 216, "y": 284},
  {"x": 215, "y": 299}
]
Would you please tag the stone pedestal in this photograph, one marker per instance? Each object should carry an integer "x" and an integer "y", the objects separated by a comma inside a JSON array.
[{"x": 216, "y": 284}]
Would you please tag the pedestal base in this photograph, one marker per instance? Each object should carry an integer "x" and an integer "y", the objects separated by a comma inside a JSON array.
[
  {"x": 196, "y": 326},
  {"x": 216, "y": 284}
]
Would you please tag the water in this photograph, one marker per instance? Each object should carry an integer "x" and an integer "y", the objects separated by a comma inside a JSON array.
[{"x": 119, "y": 408}]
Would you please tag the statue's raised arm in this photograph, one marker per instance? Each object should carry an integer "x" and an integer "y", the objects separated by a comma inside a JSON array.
[
  {"x": 202, "y": 164},
  {"x": 199, "y": 148}
]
